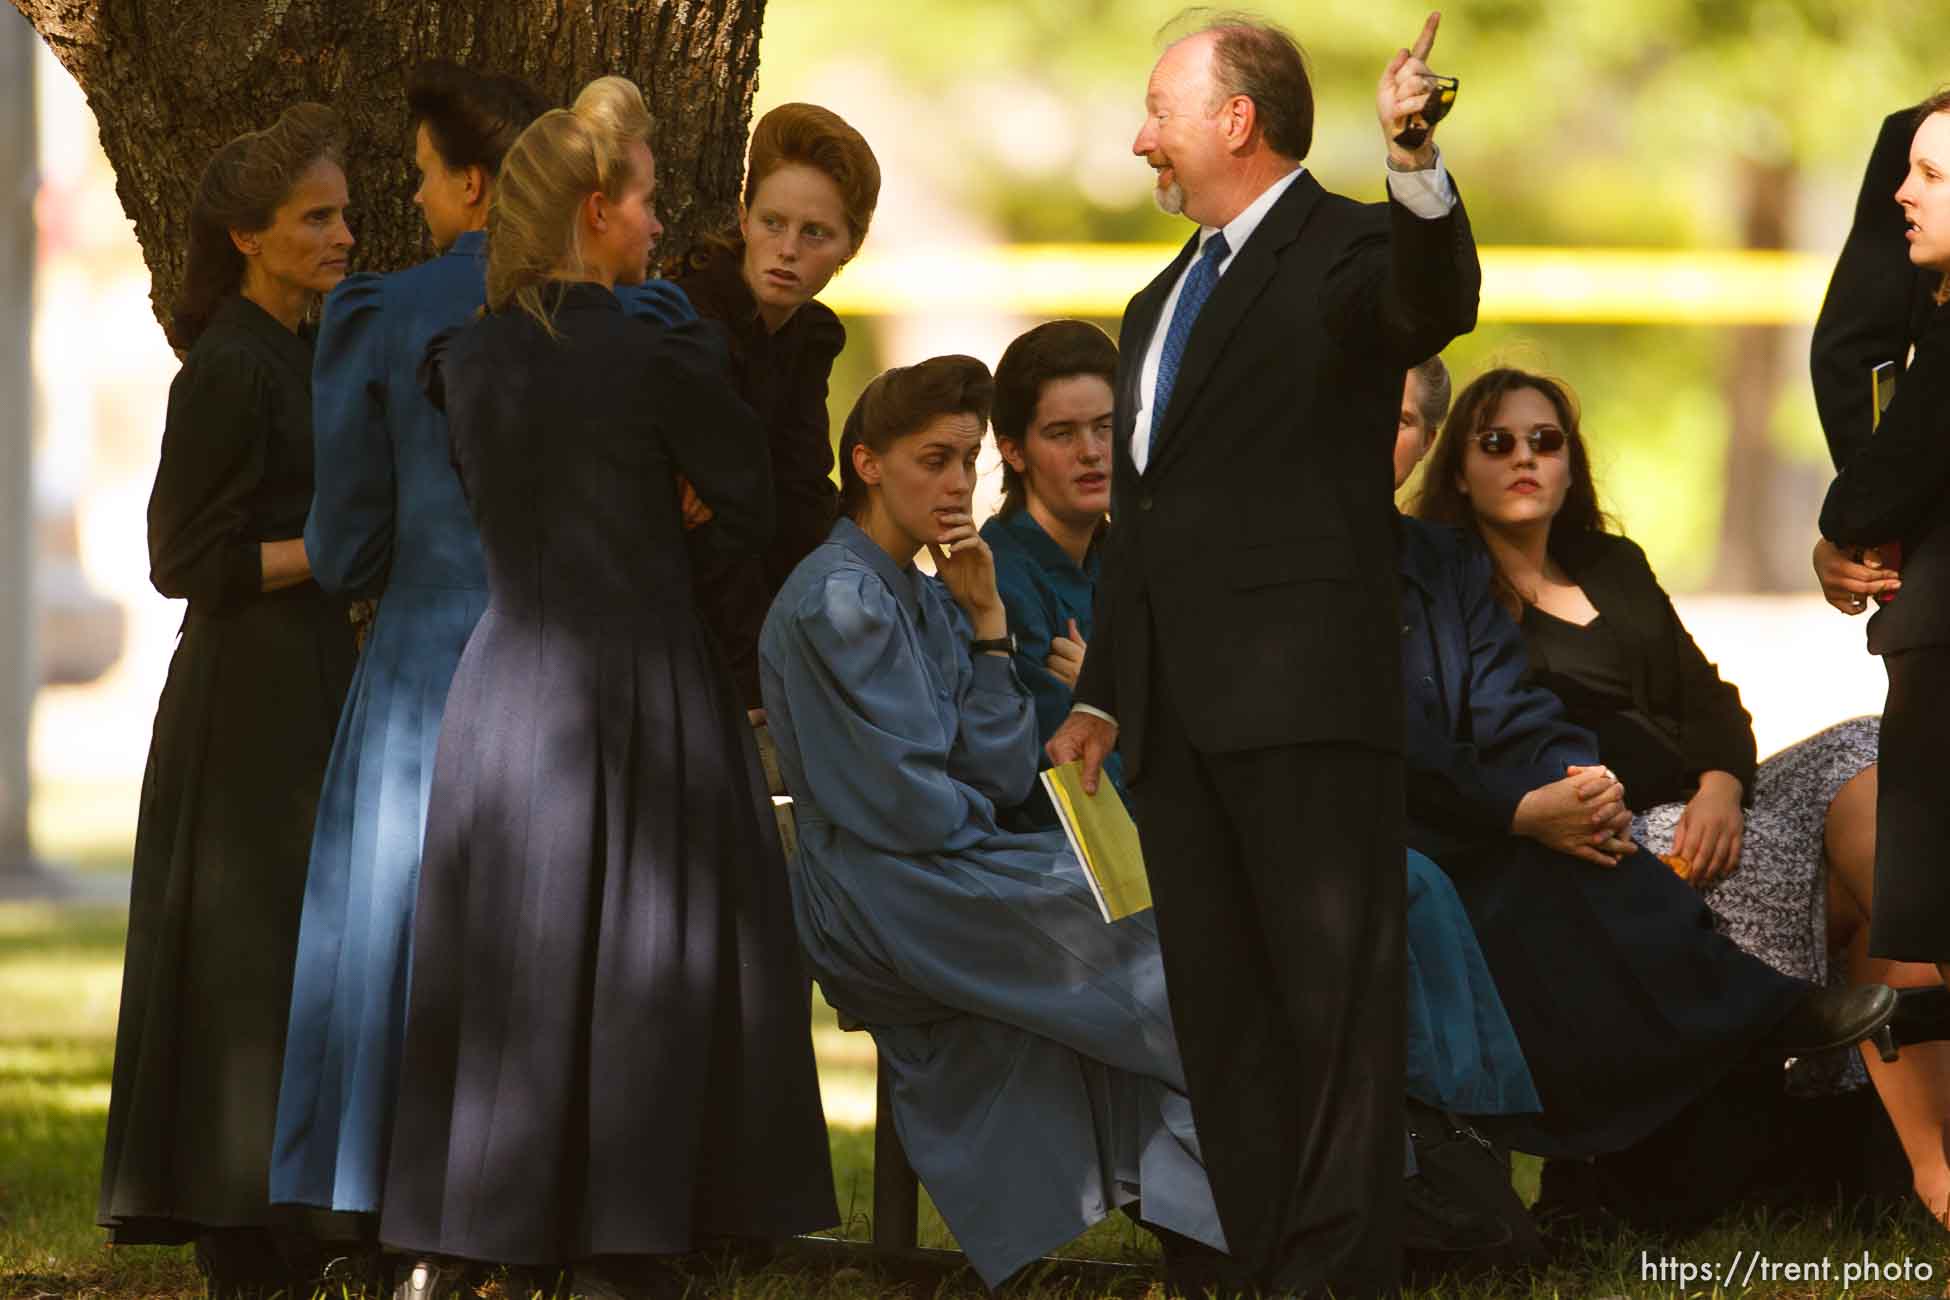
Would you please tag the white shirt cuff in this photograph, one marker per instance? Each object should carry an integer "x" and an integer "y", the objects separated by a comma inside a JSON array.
[
  {"x": 1095, "y": 713},
  {"x": 1426, "y": 193}
]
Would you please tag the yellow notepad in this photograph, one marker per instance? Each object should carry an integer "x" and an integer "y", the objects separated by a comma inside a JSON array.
[{"x": 1104, "y": 838}]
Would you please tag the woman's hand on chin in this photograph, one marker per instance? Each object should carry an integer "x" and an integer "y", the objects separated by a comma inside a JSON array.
[{"x": 963, "y": 561}]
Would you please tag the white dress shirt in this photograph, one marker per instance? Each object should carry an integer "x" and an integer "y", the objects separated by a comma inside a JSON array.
[{"x": 1427, "y": 193}]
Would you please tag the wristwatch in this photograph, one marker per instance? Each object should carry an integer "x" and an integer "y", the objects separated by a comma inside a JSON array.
[{"x": 1006, "y": 644}]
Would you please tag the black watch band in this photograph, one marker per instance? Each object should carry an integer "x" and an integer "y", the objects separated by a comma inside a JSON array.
[{"x": 1006, "y": 644}]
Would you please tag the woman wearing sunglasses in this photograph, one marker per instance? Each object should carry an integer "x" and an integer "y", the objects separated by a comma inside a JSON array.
[{"x": 1783, "y": 852}]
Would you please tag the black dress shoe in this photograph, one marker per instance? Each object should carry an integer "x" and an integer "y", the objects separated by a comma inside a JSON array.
[{"x": 1829, "y": 1018}]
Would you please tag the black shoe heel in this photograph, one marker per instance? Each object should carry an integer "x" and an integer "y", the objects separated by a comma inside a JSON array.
[{"x": 1885, "y": 1041}]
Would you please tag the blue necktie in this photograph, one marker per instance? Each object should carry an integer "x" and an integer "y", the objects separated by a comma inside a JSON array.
[{"x": 1198, "y": 287}]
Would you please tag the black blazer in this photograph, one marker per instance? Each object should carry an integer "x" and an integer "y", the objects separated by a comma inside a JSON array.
[
  {"x": 1898, "y": 486},
  {"x": 1674, "y": 686},
  {"x": 1480, "y": 735},
  {"x": 1257, "y": 549},
  {"x": 1878, "y": 302}
]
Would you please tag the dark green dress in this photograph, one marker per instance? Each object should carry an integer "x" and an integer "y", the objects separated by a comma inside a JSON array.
[{"x": 242, "y": 733}]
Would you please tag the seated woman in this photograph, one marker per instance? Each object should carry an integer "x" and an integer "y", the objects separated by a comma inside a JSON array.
[
  {"x": 1036, "y": 1078},
  {"x": 1511, "y": 469}
]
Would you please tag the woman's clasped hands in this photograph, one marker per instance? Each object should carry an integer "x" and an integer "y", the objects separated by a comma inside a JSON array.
[{"x": 1583, "y": 815}]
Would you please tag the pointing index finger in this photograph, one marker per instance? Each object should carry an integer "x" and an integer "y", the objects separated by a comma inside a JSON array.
[{"x": 1426, "y": 41}]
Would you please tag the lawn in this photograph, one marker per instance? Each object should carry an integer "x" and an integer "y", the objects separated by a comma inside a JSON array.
[{"x": 60, "y": 972}]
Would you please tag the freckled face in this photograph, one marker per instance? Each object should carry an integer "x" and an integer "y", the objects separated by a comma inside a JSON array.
[
  {"x": 1523, "y": 485},
  {"x": 796, "y": 236},
  {"x": 924, "y": 475}
]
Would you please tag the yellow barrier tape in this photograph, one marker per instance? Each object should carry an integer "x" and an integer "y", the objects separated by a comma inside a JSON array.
[{"x": 1520, "y": 284}]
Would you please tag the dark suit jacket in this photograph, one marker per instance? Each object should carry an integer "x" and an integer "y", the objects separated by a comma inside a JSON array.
[
  {"x": 1479, "y": 735},
  {"x": 1674, "y": 687},
  {"x": 1878, "y": 302},
  {"x": 1258, "y": 545},
  {"x": 1898, "y": 486}
]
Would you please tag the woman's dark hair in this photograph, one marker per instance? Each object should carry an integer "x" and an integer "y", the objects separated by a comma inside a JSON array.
[
  {"x": 471, "y": 117},
  {"x": 241, "y": 188},
  {"x": 1441, "y": 499},
  {"x": 1057, "y": 349},
  {"x": 906, "y": 400},
  {"x": 1262, "y": 61}
]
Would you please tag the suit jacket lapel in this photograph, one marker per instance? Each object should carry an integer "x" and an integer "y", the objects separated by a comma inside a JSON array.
[{"x": 1237, "y": 290}]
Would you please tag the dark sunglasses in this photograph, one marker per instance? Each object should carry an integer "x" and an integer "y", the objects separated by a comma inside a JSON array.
[{"x": 1501, "y": 442}]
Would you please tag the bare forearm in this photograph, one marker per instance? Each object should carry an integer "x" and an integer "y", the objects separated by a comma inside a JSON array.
[{"x": 284, "y": 563}]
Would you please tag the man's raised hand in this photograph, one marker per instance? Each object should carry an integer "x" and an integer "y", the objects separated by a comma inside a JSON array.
[{"x": 1404, "y": 92}]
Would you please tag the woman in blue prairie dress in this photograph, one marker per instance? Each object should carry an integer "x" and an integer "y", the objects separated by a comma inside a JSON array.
[
  {"x": 1035, "y": 1073},
  {"x": 388, "y": 514}
]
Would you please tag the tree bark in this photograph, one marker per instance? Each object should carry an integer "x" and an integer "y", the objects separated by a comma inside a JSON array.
[
  {"x": 171, "y": 80},
  {"x": 1752, "y": 553}
]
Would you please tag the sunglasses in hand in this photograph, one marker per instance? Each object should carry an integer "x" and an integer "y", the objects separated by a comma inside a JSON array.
[{"x": 1501, "y": 442}]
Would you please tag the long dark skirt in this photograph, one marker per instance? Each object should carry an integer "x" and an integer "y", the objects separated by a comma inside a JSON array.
[
  {"x": 1912, "y": 911},
  {"x": 608, "y": 1037},
  {"x": 242, "y": 733},
  {"x": 1627, "y": 1002}
]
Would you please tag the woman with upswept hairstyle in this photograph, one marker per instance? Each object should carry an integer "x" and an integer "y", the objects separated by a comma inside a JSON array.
[
  {"x": 244, "y": 723},
  {"x": 387, "y": 520},
  {"x": 811, "y": 186},
  {"x": 608, "y": 1049}
]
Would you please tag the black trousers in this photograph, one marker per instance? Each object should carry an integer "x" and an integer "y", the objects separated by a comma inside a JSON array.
[
  {"x": 1280, "y": 893},
  {"x": 1912, "y": 899}
]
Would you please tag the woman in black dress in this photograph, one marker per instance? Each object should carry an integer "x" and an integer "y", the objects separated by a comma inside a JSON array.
[
  {"x": 810, "y": 189},
  {"x": 608, "y": 1049},
  {"x": 244, "y": 724},
  {"x": 1781, "y": 851},
  {"x": 1896, "y": 488}
]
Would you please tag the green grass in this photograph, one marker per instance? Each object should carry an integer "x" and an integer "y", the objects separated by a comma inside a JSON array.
[{"x": 60, "y": 972}]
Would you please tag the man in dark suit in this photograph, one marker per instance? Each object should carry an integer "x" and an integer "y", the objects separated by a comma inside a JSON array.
[
  {"x": 1247, "y": 650},
  {"x": 1877, "y": 306}
]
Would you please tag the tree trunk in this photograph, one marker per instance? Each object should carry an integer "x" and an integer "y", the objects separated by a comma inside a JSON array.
[
  {"x": 1754, "y": 553},
  {"x": 171, "y": 80}
]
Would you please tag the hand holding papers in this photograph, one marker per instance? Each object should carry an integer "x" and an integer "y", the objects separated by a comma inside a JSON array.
[{"x": 1105, "y": 840}]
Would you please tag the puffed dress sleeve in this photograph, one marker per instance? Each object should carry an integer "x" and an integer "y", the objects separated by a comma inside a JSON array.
[
  {"x": 877, "y": 746},
  {"x": 658, "y": 301},
  {"x": 349, "y": 533},
  {"x": 214, "y": 450}
]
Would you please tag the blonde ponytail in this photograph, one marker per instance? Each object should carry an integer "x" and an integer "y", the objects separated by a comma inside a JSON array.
[{"x": 564, "y": 156}]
